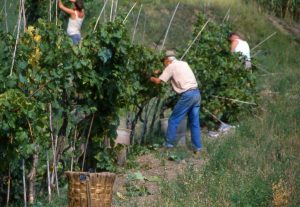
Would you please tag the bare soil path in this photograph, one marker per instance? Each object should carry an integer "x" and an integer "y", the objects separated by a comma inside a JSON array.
[{"x": 144, "y": 184}]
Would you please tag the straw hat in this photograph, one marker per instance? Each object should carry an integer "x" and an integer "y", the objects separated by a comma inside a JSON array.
[{"x": 170, "y": 53}]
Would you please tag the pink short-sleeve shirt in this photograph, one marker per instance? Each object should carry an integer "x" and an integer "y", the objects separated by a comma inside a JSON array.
[{"x": 181, "y": 76}]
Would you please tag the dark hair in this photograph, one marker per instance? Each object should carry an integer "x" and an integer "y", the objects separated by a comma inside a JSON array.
[
  {"x": 232, "y": 34},
  {"x": 79, "y": 5}
]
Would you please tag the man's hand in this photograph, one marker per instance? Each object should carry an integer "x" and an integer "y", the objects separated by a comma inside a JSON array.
[
  {"x": 156, "y": 72},
  {"x": 155, "y": 80}
]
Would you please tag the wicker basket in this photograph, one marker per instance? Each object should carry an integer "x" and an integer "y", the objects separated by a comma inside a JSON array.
[{"x": 90, "y": 189}]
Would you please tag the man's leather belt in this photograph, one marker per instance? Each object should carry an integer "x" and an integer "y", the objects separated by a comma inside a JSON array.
[{"x": 191, "y": 89}]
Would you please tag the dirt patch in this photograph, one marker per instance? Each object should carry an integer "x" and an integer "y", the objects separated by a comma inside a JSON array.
[{"x": 154, "y": 169}]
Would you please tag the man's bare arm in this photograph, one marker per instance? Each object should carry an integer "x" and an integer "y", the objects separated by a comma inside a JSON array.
[{"x": 157, "y": 81}]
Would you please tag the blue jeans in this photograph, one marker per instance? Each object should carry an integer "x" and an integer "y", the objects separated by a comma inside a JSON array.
[
  {"x": 188, "y": 104},
  {"x": 75, "y": 38}
]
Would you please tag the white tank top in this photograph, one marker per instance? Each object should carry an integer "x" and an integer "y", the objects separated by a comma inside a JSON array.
[
  {"x": 243, "y": 48},
  {"x": 74, "y": 25}
]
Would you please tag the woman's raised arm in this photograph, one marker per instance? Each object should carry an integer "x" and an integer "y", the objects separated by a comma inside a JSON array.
[{"x": 67, "y": 10}]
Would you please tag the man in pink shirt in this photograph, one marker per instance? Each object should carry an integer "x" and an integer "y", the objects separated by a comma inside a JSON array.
[{"x": 185, "y": 85}]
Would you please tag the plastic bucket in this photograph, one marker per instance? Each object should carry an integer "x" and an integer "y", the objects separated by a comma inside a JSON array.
[
  {"x": 124, "y": 139},
  {"x": 123, "y": 136}
]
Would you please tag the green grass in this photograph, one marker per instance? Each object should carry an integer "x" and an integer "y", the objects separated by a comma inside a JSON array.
[
  {"x": 57, "y": 201},
  {"x": 42, "y": 199}
]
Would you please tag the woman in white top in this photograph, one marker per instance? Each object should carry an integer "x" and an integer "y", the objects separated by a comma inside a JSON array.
[
  {"x": 75, "y": 20},
  {"x": 241, "y": 46}
]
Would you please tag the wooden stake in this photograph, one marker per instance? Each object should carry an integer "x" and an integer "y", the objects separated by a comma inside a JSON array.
[
  {"x": 15, "y": 28},
  {"x": 144, "y": 29},
  {"x": 260, "y": 68},
  {"x": 54, "y": 147},
  {"x": 54, "y": 174},
  {"x": 116, "y": 9},
  {"x": 100, "y": 15},
  {"x": 263, "y": 41},
  {"x": 104, "y": 13},
  {"x": 5, "y": 13},
  {"x": 52, "y": 138},
  {"x": 156, "y": 110},
  {"x": 50, "y": 10},
  {"x": 73, "y": 148},
  {"x": 8, "y": 186},
  {"x": 136, "y": 23},
  {"x": 55, "y": 171},
  {"x": 32, "y": 174},
  {"x": 48, "y": 179},
  {"x": 194, "y": 40},
  {"x": 3, "y": 8},
  {"x": 56, "y": 12},
  {"x": 129, "y": 12},
  {"x": 24, "y": 15},
  {"x": 111, "y": 10},
  {"x": 87, "y": 142},
  {"x": 166, "y": 35},
  {"x": 17, "y": 38},
  {"x": 24, "y": 183},
  {"x": 226, "y": 17}
]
